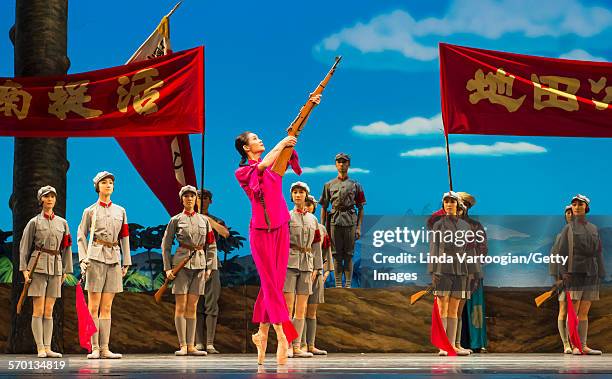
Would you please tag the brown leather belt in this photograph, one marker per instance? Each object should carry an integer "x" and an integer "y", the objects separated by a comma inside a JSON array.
[
  {"x": 190, "y": 247},
  {"x": 50, "y": 252},
  {"x": 301, "y": 249},
  {"x": 106, "y": 243},
  {"x": 342, "y": 209}
]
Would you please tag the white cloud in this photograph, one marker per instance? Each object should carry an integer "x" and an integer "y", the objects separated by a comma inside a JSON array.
[
  {"x": 326, "y": 168},
  {"x": 462, "y": 148},
  {"x": 582, "y": 55},
  {"x": 411, "y": 127},
  {"x": 399, "y": 31}
]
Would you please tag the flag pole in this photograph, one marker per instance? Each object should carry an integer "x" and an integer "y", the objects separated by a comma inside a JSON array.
[
  {"x": 203, "y": 128},
  {"x": 448, "y": 161}
]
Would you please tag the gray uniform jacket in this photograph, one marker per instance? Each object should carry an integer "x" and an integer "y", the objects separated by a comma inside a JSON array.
[
  {"x": 586, "y": 257},
  {"x": 476, "y": 248},
  {"x": 438, "y": 248},
  {"x": 47, "y": 233},
  {"x": 305, "y": 240},
  {"x": 344, "y": 196},
  {"x": 553, "y": 268},
  {"x": 111, "y": 226},
  {"x": 191, "y": 230}
]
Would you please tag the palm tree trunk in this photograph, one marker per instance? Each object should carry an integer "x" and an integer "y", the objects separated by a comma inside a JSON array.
[{"x": 40, "y": 40}]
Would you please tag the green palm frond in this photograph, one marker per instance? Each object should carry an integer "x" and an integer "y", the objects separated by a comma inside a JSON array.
[
  {"x": 6, "y": 270},
  {"x": 71, "y": 280},
  {"x": 159, "y": 281},
  {"x": 135, "y": 281}
]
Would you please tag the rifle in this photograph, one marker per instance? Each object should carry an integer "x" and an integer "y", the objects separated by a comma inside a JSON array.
[
  {"x": 417, "y": 296},
  {"x": 26, "y": 285},
  {"x": 548, "y": 294},
  {"x": 280, "y": 165},
  {"x": 160, "y": 292}
]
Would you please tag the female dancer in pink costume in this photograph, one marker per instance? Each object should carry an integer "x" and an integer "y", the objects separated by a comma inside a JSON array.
[{"x": 269, "y": 237}]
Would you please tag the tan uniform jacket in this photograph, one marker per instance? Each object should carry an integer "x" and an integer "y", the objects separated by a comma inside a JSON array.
[
  {"x": 51, "y": 234},
  {"x": 194, "y": 230}
]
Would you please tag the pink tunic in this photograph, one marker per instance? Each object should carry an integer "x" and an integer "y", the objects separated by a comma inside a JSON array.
[{"x": 269, "y": 241}]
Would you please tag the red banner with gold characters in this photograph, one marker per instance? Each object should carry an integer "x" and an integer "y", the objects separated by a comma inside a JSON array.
[
  {"x": 492, "y": 92},
  {"x": 161, "y": 96}
]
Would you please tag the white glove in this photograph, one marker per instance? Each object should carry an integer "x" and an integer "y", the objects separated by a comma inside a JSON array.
[{"x": 83, "y": 264}]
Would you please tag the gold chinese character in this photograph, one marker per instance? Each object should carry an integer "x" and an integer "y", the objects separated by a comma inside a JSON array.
[
  {"x": 144, "y": 93},
  {"x": 70, "y": 98},
  {"x": 14, "y": 100},
  {"x": 596, "y": 87},
  {"x": 550, "y": 95},
  {"x": 497, "y": 88}
]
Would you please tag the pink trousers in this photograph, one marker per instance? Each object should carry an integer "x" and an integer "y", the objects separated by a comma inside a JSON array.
[{"x": 270, "y": 252}]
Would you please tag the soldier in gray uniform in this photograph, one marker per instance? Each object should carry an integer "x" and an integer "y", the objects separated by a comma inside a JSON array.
[
  {"x": 46, "y": 235},
  {"x": 208, "y": 307},
  {"x": 323, "y": 265},
  {"x": 449, "y": 278},
  {"x": 100, "y": 258},
  {"x": 584, "y": 269},
  {"x": 194, "y": 235},
  {"x": 344, "y": 220},
  {"x": 554, "y": 272},
  {"x": 305, "y": 241}
]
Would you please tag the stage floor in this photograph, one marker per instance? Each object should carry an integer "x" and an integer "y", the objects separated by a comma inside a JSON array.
[{"x": 332, "y": 366}]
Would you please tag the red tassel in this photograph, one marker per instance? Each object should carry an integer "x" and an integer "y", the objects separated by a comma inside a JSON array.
[
  {"x": 289, "y": 331},
  {"x": 572, "y": 323},
  {"x": 438, "y": 335},
  {"x": 87, "y": 328}
]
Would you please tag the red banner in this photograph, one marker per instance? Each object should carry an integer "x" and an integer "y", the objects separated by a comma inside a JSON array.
[
  {"x": 162, "y": 96},
  {"x": 492, "y": 92}
]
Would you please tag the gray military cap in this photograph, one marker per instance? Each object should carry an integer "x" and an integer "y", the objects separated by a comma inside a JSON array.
[
  {"x": 343, "y": 156},
  {"x": 300, "y": 185},
  {"x": 45, "y": 190},
  {"x": 102, "y": 175},
  {"x": 186, "y": 189}
]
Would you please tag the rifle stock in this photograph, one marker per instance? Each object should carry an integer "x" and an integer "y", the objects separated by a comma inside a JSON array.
[
  {"x": 541, "y": 299},
  {"x": 419, "y": 295},
  {"x": 160, "y": 292},
  {"x": 280, "y": 165},
  {"x": 26, "y": 285}
]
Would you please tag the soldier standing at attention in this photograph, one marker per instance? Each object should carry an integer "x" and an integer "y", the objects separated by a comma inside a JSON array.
[
  {"x": 584, "y": 269},
  {"x": 46, "y": 235},
  {"x": 343, "y": 221},
  {"x": 194, "y": 235},
  {"x": 208, "y": 308},
  {"x": 100, "y": 260}
]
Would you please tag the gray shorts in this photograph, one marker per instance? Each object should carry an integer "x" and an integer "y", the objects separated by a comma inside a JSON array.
[
  {"x": 343, "y": 238},
  {"x": 102, "y": 277},
  {"x": 298, "y": 282},
  {"x": 211, "y": 294},
  {"x": 453, "y": 285},
  {"x": 45, "y": 285},
  {"x": 588, "y": 294},
  {"x": 318, "y": 287},
  {"x": 189, "y": 281}
]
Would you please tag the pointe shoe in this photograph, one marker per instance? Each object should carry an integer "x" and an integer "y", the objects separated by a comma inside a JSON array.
[
  {"x": 52, "y": 354},
  {"x": 462, "y": 352},
  {"x": 281, "y": 350},
  {"x": 181, "y": 352},
  {"x": 95, "y": 354},
  {"x": 261, "y": 343},
  {"x": 42, "y": 354},
  {"x": 107, "y": 354},
  {"x": 316, "y": 351},
  {"x": 191, "y": 350},
  {"x": 299, "y": 353},
  {"x": 442, "y": 353},
  {"x": 589, "y": 351}
]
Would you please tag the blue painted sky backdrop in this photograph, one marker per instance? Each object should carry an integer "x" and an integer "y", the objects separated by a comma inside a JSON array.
[{"x": 382, "y": 106}]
